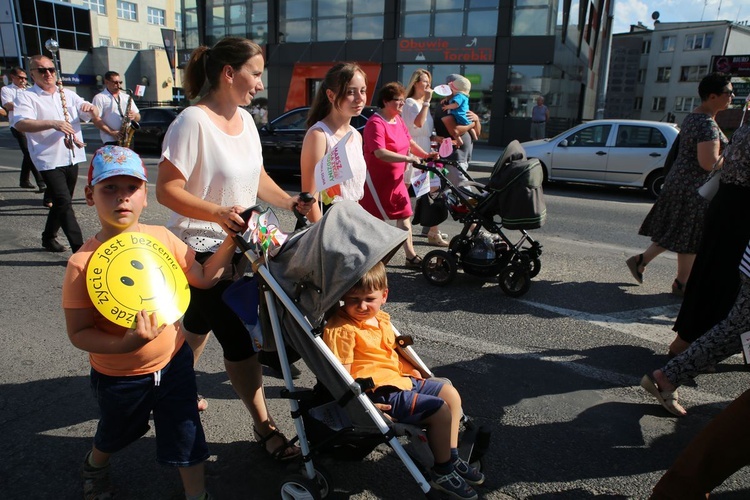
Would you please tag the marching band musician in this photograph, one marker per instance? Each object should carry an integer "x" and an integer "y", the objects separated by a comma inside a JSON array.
[
  {"x": 8, "y": 94},
  {"x": 51, "y": 120},
  {"x": 114, "y": 107}
]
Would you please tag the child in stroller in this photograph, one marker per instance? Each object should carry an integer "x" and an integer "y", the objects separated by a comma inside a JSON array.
[
  {"x": 360, "y": 335},
  {"x": 304, "y": 280}
]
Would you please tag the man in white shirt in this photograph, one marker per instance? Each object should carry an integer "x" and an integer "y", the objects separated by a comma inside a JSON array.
[
  {"x": 7, "y": 95},
  {"x": 113, "y": 107},
  {"x": 55, "y": 141}
]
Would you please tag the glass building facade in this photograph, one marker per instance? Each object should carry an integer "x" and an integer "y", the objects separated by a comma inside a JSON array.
[{"x": 511, "y": 50}]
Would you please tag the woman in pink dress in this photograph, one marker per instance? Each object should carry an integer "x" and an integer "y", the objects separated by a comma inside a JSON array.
[{"x": 388, "y": 148}]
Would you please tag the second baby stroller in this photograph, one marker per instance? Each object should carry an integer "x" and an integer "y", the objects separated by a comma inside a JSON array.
[
  {"x": 514, "y": 194},
  {"x": 303, "y": 280}
]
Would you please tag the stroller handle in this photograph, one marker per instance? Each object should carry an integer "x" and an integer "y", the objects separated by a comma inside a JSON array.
[{"x": 246, "y": 214}]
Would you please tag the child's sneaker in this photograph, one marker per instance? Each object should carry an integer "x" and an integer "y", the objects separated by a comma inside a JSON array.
[
  {"x": 470, "y": 474},
  {"x": 96, "y": 485},
  {"x": 454, "y": 485}
]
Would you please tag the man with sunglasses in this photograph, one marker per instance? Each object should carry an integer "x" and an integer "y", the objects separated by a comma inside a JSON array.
[
  {"x": 55, "y": 141},
  {"x": 113, "y": 107},
  {"x": 7, "y": 96}
]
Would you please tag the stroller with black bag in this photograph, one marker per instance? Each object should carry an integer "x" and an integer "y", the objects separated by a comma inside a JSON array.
[
  {"x": 514, "y": 194},
  {"x": 303, "y": 280}
]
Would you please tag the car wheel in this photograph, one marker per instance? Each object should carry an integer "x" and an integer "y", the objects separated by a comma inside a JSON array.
[{"x": 655, "y": 182}]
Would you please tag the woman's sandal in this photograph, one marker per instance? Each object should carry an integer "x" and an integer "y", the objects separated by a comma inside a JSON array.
[
  {"x": 414, "y": 262},
  {"x": 280, "y": 454},
  {"x": 668, "y": 399},
  {"x": 634, "y": 264}
]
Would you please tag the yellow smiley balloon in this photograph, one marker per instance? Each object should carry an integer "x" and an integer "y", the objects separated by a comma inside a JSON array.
[{"x": 134, "y": 271}]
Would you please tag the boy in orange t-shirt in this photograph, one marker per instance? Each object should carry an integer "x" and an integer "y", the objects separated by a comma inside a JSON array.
[
  {"x": 360, "y": 335},
  {"x": 147, "y": 368}
]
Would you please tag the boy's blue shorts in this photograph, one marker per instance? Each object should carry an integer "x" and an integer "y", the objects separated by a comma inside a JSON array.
[
  {"x": 414, "y": 406},
  {"x": 125, "y": 404}
]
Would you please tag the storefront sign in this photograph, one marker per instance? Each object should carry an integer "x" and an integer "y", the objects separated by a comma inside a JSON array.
[
  {"x": 465, "y": 49},
  {"x": 75, "y": 79},
  {"x": 735, "y": 65}
]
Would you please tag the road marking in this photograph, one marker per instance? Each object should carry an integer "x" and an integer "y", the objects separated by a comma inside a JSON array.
[
  {"x": 653, "y": 324},
  {"x": 573, "y": 363}
]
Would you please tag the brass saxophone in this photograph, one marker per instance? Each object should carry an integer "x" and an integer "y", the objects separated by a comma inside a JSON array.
[{"x": 128, "y": 127}]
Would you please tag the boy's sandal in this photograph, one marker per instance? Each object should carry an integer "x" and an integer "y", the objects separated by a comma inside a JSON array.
[
  {"x": 668, "y": 399},
  {"x": 414, "y": 262},
  {"x": 280, "y": 454}
]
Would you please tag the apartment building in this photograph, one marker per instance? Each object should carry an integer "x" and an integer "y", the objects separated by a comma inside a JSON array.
[
  {"x": 654, "y": 73},
  {"x": 94, "y": 37}
]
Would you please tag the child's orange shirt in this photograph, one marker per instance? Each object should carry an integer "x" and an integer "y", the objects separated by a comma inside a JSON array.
[
  {"x": 371, "y": 351},
  {"x": 156, "y": 354}
]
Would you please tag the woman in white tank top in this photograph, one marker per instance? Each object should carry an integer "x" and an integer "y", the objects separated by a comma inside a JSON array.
[{"x": 341, "y": 96}]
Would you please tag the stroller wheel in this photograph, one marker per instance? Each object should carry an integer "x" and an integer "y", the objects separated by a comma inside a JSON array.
[
  {"x": 439, "y": 267},
  {"x": 534, "y": 264},
  {"x": 299, "y": 487},
  {"x": 514, "y": 281},
  {"x": 322, "y": 477}
]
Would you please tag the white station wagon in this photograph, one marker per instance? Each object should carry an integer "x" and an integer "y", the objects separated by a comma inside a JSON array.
[{"x": 616, "y": 152}]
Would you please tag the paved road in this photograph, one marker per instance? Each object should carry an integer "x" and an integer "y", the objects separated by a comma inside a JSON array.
[{"x": 554, "y": 374}]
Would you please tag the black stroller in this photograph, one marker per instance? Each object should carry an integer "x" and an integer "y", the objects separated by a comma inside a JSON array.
[
  {"x": 302, "y": 282},
  {"x": 514, "y": 194}
]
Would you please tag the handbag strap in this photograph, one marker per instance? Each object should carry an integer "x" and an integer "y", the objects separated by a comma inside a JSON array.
[{"x": 375, "y": 197}]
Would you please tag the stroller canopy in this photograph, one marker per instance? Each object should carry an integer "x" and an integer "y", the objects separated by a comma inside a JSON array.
[{"x": 318, "y": 265}]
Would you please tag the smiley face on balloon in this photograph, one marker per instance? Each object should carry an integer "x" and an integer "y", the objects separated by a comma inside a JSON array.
[{"x": 132, "y": 272}]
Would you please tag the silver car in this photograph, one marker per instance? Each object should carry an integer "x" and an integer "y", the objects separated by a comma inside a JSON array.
[{"x": 617, "y": 152}]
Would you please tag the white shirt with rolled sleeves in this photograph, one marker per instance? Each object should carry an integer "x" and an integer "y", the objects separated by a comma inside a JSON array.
[
  {"x": 107, "y": 105},
  {"x": 8, "y": 94},
  {"x": 47, "y": 148}
]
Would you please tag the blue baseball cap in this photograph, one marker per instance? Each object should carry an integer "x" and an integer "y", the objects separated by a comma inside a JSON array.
[{"x": 109, "y": 161}]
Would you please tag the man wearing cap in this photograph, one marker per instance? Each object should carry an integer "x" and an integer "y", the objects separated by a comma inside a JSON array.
[
  {"x": 7, "y": 96},
  {"x": 112, "y": 105},
  {"x": 56, "y": 146},
  {"x": 539, "y": 118}
]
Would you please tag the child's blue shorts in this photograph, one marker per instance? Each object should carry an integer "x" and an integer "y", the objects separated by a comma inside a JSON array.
[
  {"x": 125, "y": 404},
  {"x": 411, "y": 407}
]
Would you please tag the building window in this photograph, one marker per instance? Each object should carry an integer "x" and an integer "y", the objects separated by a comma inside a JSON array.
[
  {"x": 693, "y": 73},
  {"x": 532, "y": 17},
  {"x": 155, "y": 16},
  {"x": 127, "y": 10},
  {"x": 104, "y": 42},
  {"x": 98, "y": 6},
  {"x": 155, "y": 47},
  {"x": 638, "y": 103},
  {"x": 663, "y": 73},
  {"x": 331, "y": 20},
  {"x": 125, "y": 44},
  {"x": 659, "y": 104},
  {"x": 641, "y": 75},
  {"x": 241, "y": 18},
  {"x": 526, "y": 83},
  {"x": 178, "y": 21},
  {"x": 698, "y": 41},
  {"x": 667, "y": 43},
  {"x": 646, "y": 47},
  {"x": 444, "y": 18},
  {"x": 686, "y": 103}
]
